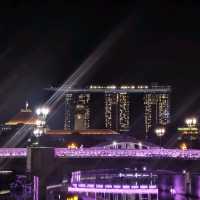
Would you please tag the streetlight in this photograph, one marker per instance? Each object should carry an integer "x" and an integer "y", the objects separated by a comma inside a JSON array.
[
  {"x": 40, "y": 128},
  {"x": 160, "y": 132},
  {"x": 140, "y": 145},
  {"x": 191, "y": 122},
  {"x": 72, "y": 146},
  {"x": 183, "y": 146}
]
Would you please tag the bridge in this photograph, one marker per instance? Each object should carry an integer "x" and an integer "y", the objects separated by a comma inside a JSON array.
[
  {"x": 41, "y": 162},
  {"x": 157, "y": 153},
  {"x": 97, "y": 182}
]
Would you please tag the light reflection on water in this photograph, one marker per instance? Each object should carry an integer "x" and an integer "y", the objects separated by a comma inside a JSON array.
[{"x": 175, "y": 183}]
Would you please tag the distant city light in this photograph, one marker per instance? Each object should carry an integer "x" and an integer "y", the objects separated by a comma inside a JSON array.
[
  {"x": 160, "y": 132},
  {"x": 172, "y": 191},
  {"x": 184, "y": 171},
  {"x": 42, "y": 111},
  {"x": 75, "y": 197},
  {"x": 140, "y": 144},
  {"x": 144, "y": 168},
  {"x": 72, "y": 146},
  {"x": 191, "y": 121},
  {"x": 40, "y": 128},
  {"x": 183, "y": 146}
]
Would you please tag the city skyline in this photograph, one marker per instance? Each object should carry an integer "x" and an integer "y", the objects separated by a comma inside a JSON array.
[
  {"x": 164, "y": 50},
  {"x": 99, "y": 100},
  {"x": 117, "y": 107}
]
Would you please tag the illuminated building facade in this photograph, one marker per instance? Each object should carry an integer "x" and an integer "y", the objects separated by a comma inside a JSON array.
[
  {"x": 111, "y": 110},
  {"x": 69, "y": 110},
  {"x": 84, "y": 100},
  {"x": 75, "y": 103},
  {"x": 156, "y": 110},
  {"x": 79, "y": 122},
  {"x": 117, "y": 111},
  {"x": 124, "y": 112},
  {"x": 118, "y": 103}
]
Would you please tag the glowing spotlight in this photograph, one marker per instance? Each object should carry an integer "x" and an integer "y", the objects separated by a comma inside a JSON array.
[
  {"x": 140, "y": 144},
  {"x": 183, "y": 146},
  {"x": 72, "y": 146},
  {"x": 144, "y": 168},
  {"x": 114, "y": 143}
]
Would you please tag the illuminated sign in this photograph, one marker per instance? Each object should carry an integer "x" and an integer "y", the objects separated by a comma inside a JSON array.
[{"x": 188, "y": 130}]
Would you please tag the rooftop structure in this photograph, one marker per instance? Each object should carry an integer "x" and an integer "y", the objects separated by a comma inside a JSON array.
[
  {"x": 113, "y": 88},
  {"x": 24, "y": 117}
]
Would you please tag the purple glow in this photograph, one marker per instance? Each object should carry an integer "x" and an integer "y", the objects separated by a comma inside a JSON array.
[
  {"x": 129, "y": 153},
  {"x": 117, "y": 186},
  {"x": 191, "y": 154},
  {"x": 179, "y": 184},
  {"x": 90, "y": 185},
  {"x": 134, "y": 186},
  {"x": 74, "y": 185},
  {"x": 13, "y": 152},
  {"x": 119, "y": 191},
  {"x": 143, "y": 186},
  {"x": 99, "y": 186},
  {"x": 108, "y": 186},
  {"x": 125, "y": 186},
  {"x": 198, "y": 186},
  {"x": 81, "y": 185},
  {"x": 172, "y": 191},
  {"x": 35, "y": 187},
  {"x": 152, "y": 186}
]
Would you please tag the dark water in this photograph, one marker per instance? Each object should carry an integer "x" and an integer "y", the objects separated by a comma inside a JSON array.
[{"x": 171, "y": 187}]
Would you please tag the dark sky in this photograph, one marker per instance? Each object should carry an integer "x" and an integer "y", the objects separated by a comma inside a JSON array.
[{"x": 41, "y": 44}]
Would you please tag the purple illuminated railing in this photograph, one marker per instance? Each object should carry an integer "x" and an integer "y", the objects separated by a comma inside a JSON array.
[
  {"x": 109, "y": 153},
  {"x": 128, "y": 153},
  {"x": 120, "y": 189},
  {"x": 13, "y": 152}
]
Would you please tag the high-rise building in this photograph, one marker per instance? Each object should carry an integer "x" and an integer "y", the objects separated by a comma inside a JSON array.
[
  {"x": 79, "y": 115},
  {"x": 164, "y": 109},
  {"x": 111, "y": 111},
  {"x": 118, "y": 107},
  {"x": 156, "y": 110},
  {"x": 124, "y": 112},
  {"x": 117, "y": 111},
  {"x": 71, "y": 102},
  {"x": 84, "y": 99},
  {"x": 69, "y": 111}
]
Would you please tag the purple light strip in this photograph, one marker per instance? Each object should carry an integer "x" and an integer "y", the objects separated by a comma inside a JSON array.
[
  {"x": 191, "y": 154},
  {"x": 35, "y": 187},
  {"x": 119, "y": 191},
  {"x": 116, "y": 186},
  {"x": 13, "y": 152},
  {"x": 99, "y": 186},
  {"x": 129, "y": 153}
]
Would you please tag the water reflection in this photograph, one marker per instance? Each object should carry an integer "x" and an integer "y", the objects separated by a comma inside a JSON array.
[{"x": 170, "y": 187}]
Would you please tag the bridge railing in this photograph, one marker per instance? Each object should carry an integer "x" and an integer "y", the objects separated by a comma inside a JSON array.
[
  {"x": 13, "y": 152},
  {"x": 116, "y": 189},
  {"x": 109, "y": 153},
  {"x": 115, "y": 186},
  {"x": 128, "y": 153}
]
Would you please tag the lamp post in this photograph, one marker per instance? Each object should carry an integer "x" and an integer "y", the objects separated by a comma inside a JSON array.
[
  {"x": 191, "y": 122},
  {"x": 41, "y": 127},
  {"x": 160, "y": 132}
]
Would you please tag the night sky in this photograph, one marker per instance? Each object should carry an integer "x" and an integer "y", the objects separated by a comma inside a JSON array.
[{"x": 41, "y": 44}]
